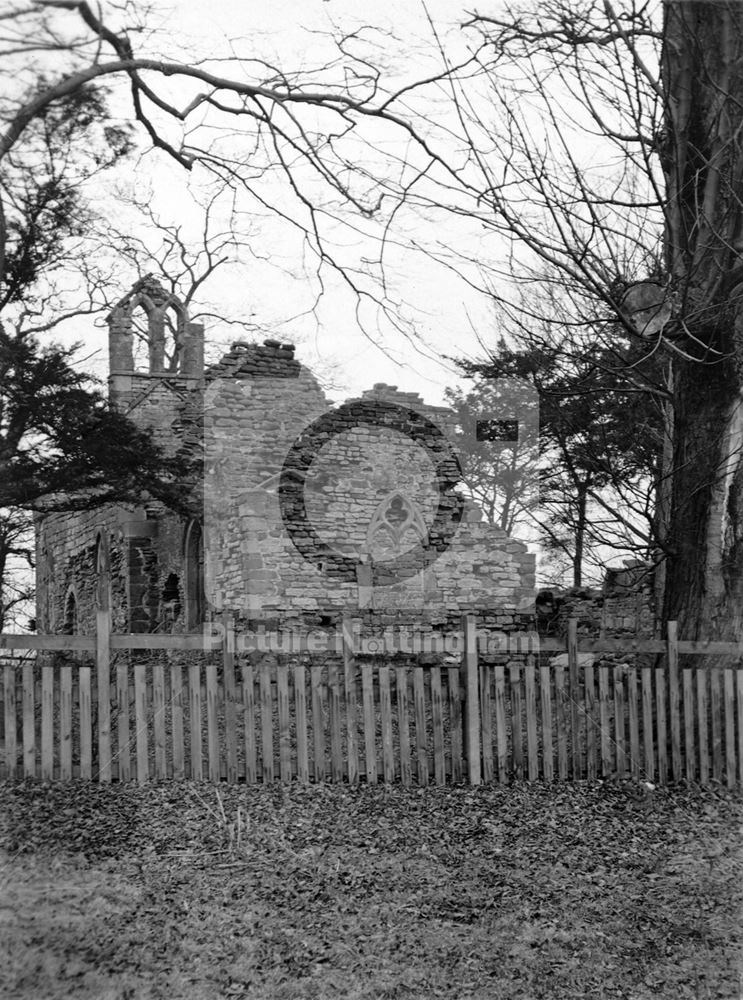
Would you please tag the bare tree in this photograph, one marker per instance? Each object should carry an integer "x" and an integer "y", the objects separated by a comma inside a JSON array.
[
  {"x": 500, "y": 472},
  {"x": 702, "y": 76},
  {"x": 599, "y": 471},
  {"x": 277, "y": 135},
  {"x": 293, "y": 146},
  {"x": 188, "y": 260},
  {"x": 615, "y": 168},
  {"x": 593, "y": 147},
  {"x": 183, "y": 261}
]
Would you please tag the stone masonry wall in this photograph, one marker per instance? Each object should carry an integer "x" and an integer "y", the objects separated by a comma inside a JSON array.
[
  {"x": 154, "y": 401},
  {"x": 308, "y": 510},
  {"x": 66, "y": 563},
  {"x": 293, "y": 485},
  {"x": 143, "y": 553},
  {"x": 615, "y": 611}
]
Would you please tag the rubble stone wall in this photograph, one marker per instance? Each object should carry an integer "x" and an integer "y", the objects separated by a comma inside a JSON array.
[
  {"x": 376, "y": 463},
  {"x": 307, "y": 510},
  {"x": 615, "y": 612}
]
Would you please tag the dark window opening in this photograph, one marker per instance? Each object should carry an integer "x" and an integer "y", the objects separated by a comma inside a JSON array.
[
  {"x": 103, "y": 575},
  {"x": 171, "y": 599},
  {"x": 70, "y": 614},
  {"x": 194, "y": 566}
]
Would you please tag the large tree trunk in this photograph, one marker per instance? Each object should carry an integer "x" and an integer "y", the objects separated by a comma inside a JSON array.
[{"x": 703, "y": 81}]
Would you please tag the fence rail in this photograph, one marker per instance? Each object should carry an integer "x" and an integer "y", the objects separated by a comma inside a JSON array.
[{"x": 203, "y": 710}]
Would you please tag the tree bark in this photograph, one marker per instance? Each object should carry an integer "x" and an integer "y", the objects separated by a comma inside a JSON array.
[{"x": 702, "y": 67}]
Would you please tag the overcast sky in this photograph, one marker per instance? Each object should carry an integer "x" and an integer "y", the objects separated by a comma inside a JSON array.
[{"x": 272, "y": 293}]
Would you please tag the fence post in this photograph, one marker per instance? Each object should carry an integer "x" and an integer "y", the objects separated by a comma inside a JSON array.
[
  {"x": 103, "y": 677},
  {"x": 349, "y": 672},
  {"x": 228, "y": 682},
  {"x": 673, "y": 697},
  {"x": 573, "y": 694},
  {"x": 29, "y": 723},
  {"x": 47, "y": 715},
  {"x": 472, "y": 703},
  {"x": 11, "y": 720}
]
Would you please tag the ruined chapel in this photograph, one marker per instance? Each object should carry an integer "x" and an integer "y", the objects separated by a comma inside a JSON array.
[{"x": 306, "y": 510}]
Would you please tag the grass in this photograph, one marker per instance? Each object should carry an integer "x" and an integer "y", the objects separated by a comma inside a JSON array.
[{"x": 187, "y": 891}]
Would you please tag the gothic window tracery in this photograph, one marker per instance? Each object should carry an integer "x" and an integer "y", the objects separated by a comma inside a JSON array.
[
  {"x": 153, "y": 322},
  {"x": 396, "y": 527},
  {"x": 161, "y": 328}
]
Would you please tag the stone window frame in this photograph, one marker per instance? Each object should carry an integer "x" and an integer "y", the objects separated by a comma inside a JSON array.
[
  {"x": 155, "y": 308},
  {"x": 381, "y": 519},
  {"x": 426, "y": 579}
]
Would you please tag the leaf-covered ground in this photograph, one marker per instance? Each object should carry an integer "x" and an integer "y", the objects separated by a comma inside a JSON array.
[{"x": 180, "y": 890}]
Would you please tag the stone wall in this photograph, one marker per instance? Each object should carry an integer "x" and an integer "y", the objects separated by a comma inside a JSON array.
[
  {"x": 66, "y": 546},
  {"x": 142, "y": 550},
  {"x": 307, "y": 510},
  {"x": 623, "y": 607},
  {"x": 308, "y": 507}
]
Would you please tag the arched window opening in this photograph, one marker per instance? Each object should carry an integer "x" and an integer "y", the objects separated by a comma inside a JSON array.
[
  {"x": 171, "y": 600},
  {"x": 396, "y": 542},
  {"x": 142, "y": 336},
  {"x": 148, "y": 329},
  {"x": 102, "y": 573},
  {"x": 158, "y": 327},
  {"x": 173, "y": 319},
  {"x": 70, "y": 613},
  {"x": 194, "y": 582}
]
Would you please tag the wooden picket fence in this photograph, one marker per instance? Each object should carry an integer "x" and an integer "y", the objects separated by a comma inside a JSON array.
[{"x": 142, "y": 707}]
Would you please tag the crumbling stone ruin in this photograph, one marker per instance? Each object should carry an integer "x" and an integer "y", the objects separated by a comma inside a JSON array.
[
  {"x": 306, "y": 510},
  {"x": 623, "y": 606}
]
